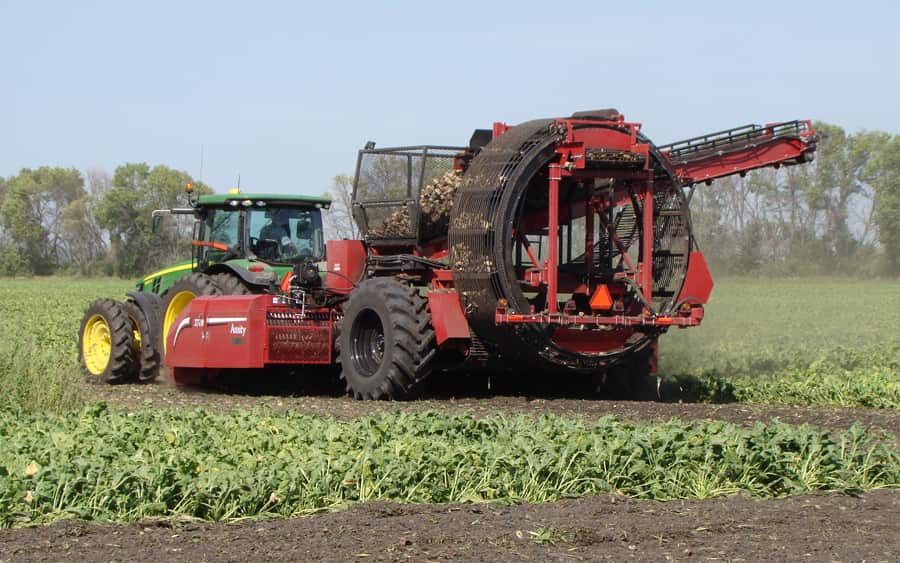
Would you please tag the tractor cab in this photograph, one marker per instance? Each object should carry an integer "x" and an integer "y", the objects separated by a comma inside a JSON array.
[
  {"x": 254, "y": 237},
  {"x": 274, "y": 229}
]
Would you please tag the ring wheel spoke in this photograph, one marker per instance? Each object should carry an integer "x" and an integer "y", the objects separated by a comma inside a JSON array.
[{"x": 96, "y": 345}]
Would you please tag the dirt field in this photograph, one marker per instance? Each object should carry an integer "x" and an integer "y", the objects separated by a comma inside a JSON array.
[
  {"x": 323, "y": 398},
  {"x": 811, "y": 528},
  {"x": 814, "y": 528}
]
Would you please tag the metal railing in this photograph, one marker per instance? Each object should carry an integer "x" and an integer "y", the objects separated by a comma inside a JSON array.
[{"x": 730, "y": 140}]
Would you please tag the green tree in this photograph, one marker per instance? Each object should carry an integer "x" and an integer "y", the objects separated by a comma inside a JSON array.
[
  {"x": 11, "y": 260},
  {"x": 842, "y": 172},
  {"x": 32, "y": 212},
  {"x": 85, "y": 244},
  {"x": 125, "y": 211},
  {"x": 339, "y": 217},
  {"x": 884, "y": 172}
]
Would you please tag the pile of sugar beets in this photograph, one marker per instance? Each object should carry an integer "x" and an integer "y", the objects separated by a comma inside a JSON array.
[{"x": 435, "y": 203}]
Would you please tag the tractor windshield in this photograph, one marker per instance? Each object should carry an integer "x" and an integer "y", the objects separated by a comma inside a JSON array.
[
  {"x": 286, "y": 235},
  {"x": 222, "y": 227}
]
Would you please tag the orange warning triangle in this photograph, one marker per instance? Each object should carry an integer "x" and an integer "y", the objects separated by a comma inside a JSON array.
[{"x": 602, "y": 300}]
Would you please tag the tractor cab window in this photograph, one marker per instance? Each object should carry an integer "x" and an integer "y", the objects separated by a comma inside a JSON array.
[
  {"x": 222, "y": 227},
  {"x": 286, "y": 235}
]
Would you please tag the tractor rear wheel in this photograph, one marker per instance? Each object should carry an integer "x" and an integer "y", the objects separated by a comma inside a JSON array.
[
  {"x": 145, "y": 346},
  {"x": 106, "y": 343},
  {"x": 386, "y": 341},
  {"x": 177, "y": 297},
  {"x": 230, "y": 284}
]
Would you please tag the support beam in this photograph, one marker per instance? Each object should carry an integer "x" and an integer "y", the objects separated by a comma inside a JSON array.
[
  {"x": 552, "y": 267},
  {"x": 589, "y": 243}
]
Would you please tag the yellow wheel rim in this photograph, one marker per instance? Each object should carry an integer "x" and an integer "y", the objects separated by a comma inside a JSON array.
[
  {"x": 136, "y": 332},
  {"x": 179, "y": 301},
  {"x": 96, "y": 344}
]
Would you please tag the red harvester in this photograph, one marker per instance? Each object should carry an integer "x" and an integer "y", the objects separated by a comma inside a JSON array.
[{"x": 556, "y": 244}]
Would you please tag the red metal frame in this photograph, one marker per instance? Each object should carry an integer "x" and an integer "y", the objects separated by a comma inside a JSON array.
[
  {"x": 346, "y": 263},
  {"x": 693, "y": 318},
  {"x": 447, "y": 316},
  {"x": 553, "y": 238},
  {"x": 698, "y": 282},
  {"x": 571, "y": 162}
]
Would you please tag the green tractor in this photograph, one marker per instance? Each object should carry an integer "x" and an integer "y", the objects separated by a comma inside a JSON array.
[{"x": 242, "y": 243}]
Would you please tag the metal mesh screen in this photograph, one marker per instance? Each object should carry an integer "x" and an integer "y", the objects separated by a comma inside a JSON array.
[
  {"x": 389, "y": 183},
  {"x": 672, "y": 242},
  {"x": 292, "y": 336},
  {"x": 384, "y": 177}
]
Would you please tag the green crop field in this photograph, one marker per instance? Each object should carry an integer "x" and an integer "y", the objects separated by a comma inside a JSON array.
[
  {"x": 96, "y": 464},
  {"x": 802, "y": 342},
  {"x": 39, "y": 338},
  {"x": 812, "y": 341},
  {"x": 816, "y": 342}
]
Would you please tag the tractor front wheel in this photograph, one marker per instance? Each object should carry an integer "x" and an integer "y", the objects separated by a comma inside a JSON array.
[
  {"x": 386, "y": 341},
  {"x": 106, "y": 343},
  {"x": 177, "y": 298}
]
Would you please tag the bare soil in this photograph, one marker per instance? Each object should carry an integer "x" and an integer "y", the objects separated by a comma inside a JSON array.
[
  {"x": 811, "y": 528},
  {"x": 319, "y": 395}
]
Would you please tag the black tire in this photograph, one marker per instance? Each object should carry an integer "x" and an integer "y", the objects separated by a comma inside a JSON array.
[
  {"x": 230, "y": 284},
  {"x": 386, "y": 342},
  {"x": 106, "y": 343},
  {"x": 176, "y": 298},
  {"x": 145, "y": 343}
]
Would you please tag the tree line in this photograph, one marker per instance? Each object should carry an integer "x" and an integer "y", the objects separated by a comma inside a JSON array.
[
  {"x": 837, "y": 215},
  {"x": 59, "y": 221}
]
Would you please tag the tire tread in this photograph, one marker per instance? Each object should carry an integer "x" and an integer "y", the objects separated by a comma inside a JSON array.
[{"x": 412, "y": 333}]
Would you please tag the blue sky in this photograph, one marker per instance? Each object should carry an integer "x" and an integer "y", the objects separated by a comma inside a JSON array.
[{"x": 284, "y": 94}]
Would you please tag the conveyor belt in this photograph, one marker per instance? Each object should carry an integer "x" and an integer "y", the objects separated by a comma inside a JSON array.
[{"x": 731, "y": 140}]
